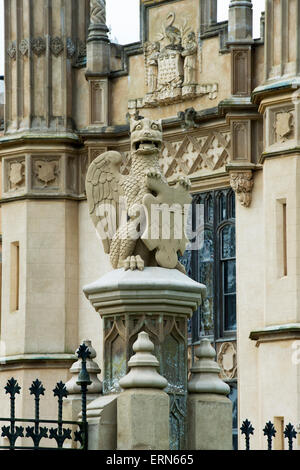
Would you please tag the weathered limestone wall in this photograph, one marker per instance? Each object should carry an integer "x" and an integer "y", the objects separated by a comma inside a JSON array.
[
  {"x": 93, "y": 264},
  {"x": 250, "y": 300},
  {"x": 47, "y": 233}
]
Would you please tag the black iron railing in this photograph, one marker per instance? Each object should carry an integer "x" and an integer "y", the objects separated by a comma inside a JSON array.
[
  {"x": 36, "y": 430},
  {"x": 269, "y": 431}
]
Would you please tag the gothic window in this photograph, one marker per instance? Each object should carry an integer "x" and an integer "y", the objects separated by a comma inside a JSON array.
[{"x": 213, "y": 264}]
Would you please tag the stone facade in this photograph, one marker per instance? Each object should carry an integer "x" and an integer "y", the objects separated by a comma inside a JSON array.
[{"x": 230, "y": 114}]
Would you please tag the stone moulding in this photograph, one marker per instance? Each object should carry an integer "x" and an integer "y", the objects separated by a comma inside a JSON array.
[
  {"x": 38, "y": 46},
  {"x": 227, "y": 361},
  {"x": 272, "y": 333}
]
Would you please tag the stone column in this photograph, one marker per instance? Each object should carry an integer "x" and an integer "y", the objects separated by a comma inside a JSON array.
[
  {"x": 240, "y": 21},
  {"x": 209, "y": 10},
  {"x": 143, "y": 408},
  {"x": 98, "y": 64},
  {"x": 158, "y": 301},
  {"x": 209, "y": 411}
]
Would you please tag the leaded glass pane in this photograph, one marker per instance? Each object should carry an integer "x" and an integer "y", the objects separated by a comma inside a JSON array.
[
  {"x": 222, "y": 206},
  {"x": 232, "y": 204},
  {"x": 210, "y": 210},
  {"x": 230, "y": 312},
  {"x": 228, "y": 242},
  {"x": 229, "y": 277}
]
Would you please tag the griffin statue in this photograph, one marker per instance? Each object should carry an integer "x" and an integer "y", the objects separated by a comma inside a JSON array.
[{"x": 128, "y": 239}]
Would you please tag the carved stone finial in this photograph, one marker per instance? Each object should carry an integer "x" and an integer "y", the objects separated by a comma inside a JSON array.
[
  {"x": 98, "y": 12},
  {"x": 93, "y": 370},
  {"x": 143, "y": 364},
  {"x": 205, "y": 373},
  {"x": 242, "y": 183},
  {"x": 98, "y": 29}
]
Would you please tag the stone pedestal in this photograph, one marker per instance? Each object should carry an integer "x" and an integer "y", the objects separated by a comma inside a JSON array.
[
  {"x": 143, "y": 409},
  {"x": 158, "y": 301},
  {"x": 143, "y": 420},
  {"x": 102, "y": 422}
]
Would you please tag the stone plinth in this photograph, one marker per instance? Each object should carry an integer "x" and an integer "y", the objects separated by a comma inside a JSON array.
[
  {"x": 143, "y": 420},
  {"x": 143, "y": 408},
  {"x": 158, "y": 301}
]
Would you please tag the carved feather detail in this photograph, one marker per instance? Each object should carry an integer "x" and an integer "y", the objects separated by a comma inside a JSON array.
[{"x": 103, "y": 187}]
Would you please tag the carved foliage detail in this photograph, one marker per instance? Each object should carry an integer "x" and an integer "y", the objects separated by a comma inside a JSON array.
[
  {"x": 227, "y": 361},
  {"x": 38, "y": 46},
  {"x": 12, "y": 50},
  {"x": 242, "y": 183},
  {"x": 56, "y": 46}
]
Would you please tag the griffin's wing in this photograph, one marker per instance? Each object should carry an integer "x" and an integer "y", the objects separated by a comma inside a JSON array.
[{"x": 103, "y": 195}]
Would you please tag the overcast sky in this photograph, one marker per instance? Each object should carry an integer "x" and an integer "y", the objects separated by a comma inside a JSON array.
[{"x": 123, "y": 19}]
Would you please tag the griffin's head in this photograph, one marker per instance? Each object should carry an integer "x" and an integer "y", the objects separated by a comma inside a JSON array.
[{"x": 146, "y": 136}]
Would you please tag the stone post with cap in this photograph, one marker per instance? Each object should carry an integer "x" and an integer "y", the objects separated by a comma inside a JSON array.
[
  {"x": 143, "y": 406},
  {"x": 209, "y": 410}
]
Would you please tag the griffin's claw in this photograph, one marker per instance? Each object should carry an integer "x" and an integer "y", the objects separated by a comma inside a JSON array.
[{"x": 132, "y": 263}]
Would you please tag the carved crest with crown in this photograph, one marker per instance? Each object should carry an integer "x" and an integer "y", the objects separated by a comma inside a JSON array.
[{"x": 171, "y": 67}]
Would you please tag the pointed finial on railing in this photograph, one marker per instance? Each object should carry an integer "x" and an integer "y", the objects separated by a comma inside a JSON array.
[
  {"x": 290, "y": 433},
  {"x": 269, "y": 431},
  {"x": 247, "y": 429}
]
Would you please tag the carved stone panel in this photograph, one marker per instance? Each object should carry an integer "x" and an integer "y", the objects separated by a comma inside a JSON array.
[
  {"x": 187, "y": 157},
  {"x": 280, "y": 126},
  {"x": 284, "y": 126},
  {"x": 171, "y": 64},
  {"x": 98, "y": 102},
  {"x": 14, "y": 175},
  {"x": 241, "y": 71},
  {"x": 46, "y": 173},
  {"x": 227, "y": 361},
  {"x": 241, "y": 140}
]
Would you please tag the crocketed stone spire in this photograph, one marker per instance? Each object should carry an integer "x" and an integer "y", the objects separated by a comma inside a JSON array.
[{"x": 143, "y": 365}]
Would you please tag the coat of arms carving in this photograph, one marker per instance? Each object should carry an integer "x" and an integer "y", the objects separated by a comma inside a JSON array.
[
  {"x": 16, "y": 174},
  {"x": 46, "y": 171},
  {"x": 171, "y": 67},
  {"x": 284, "y": 126}
]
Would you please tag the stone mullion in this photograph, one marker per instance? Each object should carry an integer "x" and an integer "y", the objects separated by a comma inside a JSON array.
[
  {"x": 284, "y": 43},
  {"x": 48, "y": 62},
  {"x": 66, "y": 84},
  {"x": 298, "y": 39},
  {"x": 28, "y": 63},
  {"x": 19, "y": 62}
]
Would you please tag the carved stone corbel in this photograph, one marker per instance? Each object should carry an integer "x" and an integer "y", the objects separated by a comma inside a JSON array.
[{"x": 242, "y": 183}]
